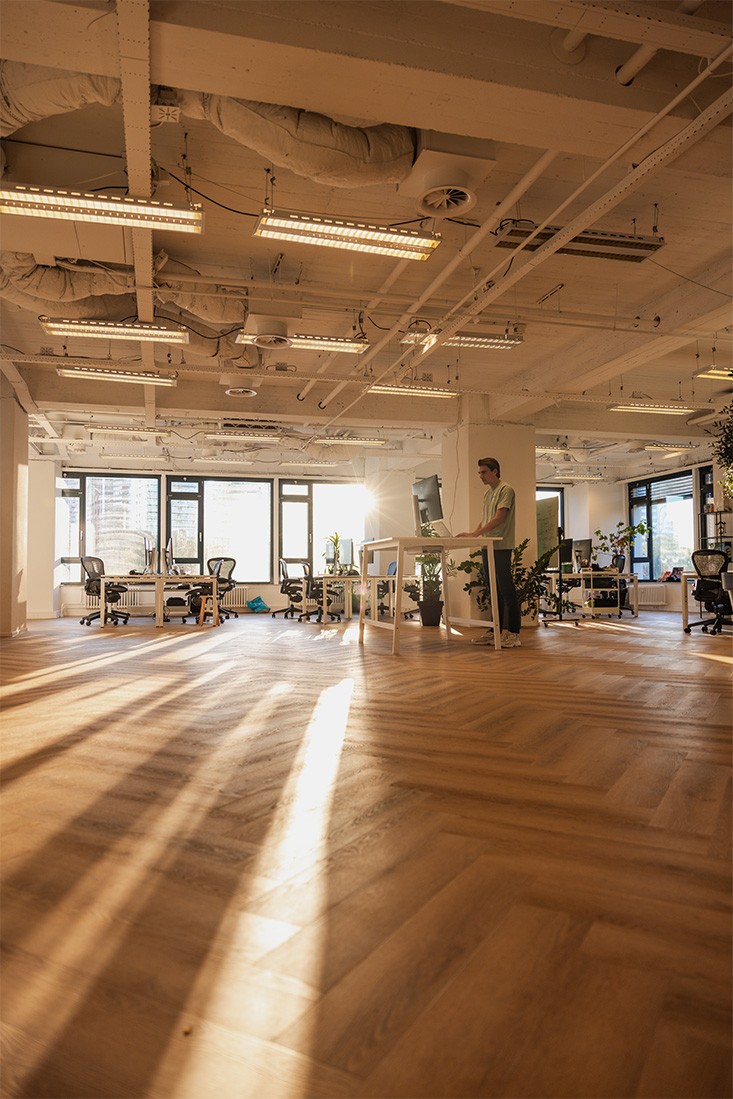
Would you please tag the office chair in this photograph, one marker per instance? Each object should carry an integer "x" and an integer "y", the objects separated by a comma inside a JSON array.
[
  {"x": 198, "y": 592},
  {"x": 292, "y": 588},
  {"x": 314, "y": 600},
  {"x": 226, "y": 582},
  {"x": 618, "y": 562},
  {"x": 94, "y": 568},
  {"x": 709, "y": 565}
]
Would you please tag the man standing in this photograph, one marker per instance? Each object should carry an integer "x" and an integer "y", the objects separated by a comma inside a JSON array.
[{"x": 498, "y": 521}]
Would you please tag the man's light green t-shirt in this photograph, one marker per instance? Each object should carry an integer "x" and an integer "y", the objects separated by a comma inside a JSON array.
[{"x": 495, "y": 498}]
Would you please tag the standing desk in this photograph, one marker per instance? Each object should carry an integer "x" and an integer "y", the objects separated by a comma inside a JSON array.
[
  {"x": 159, "y": 580},
  {"x": 417, "y": 545},
  {"x": 585, "y": 588}
]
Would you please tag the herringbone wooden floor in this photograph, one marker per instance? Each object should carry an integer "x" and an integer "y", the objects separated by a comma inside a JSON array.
[{"x": 263, "y": 862}]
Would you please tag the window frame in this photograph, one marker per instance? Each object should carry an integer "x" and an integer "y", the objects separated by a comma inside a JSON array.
[{"x": 646, "y": 502}]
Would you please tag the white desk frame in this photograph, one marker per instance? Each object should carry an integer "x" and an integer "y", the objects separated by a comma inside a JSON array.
[
  {"x": 415, "y": 545},
  {"x": 585, "y": 579},
  {"x": 159, "y": 580},
  {"x": 332, "y": 580}
]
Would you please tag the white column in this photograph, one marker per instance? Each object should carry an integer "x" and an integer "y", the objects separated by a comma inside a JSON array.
[
  {"x": 14, "y": 527},
  {"x": 43, "y": 589},
  {"x": 462, "y": 490}
]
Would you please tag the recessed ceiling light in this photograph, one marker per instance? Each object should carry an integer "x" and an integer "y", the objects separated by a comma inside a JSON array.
[{"x": 240, "y": 391}]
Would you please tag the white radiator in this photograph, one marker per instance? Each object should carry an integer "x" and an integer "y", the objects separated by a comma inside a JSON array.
[
  {"x": 655, "y": 595},
  {"x": 236, "y": 599},
  {"x": 127, "y": 599}
]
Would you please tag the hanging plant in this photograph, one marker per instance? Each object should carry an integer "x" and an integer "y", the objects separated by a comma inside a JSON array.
[{"x": 723, "y": 448}]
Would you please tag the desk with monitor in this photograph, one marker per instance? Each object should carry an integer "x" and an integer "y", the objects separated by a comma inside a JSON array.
[{"x": 414, "y": 546}]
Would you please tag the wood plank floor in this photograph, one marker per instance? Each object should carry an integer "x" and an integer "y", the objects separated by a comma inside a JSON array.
[{"x": 261, "y": 861}]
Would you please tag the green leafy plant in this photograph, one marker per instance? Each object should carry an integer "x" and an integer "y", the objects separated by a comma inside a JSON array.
[
  {"x": 430, "y": 570},
  {"x": 723, "y": 448},
  {"x": 529, "y": 580},
  {"x": 335, "y": 541},
  {"x": 618, "y": 540}
]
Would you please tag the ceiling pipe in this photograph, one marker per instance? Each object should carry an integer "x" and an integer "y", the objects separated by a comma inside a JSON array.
[
  {"x": 625, "y": 73},
  {"x": 496, "y": 216},
  {"x": 481, "y": 295}
]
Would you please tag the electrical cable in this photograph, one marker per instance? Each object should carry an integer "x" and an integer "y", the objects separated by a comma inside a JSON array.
[
  {"x": 677, "y": 275},
  {"x": 242, "y": 213}
]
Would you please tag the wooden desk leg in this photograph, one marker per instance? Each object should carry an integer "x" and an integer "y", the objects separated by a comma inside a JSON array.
[
  {"x": 446, "y": 604},
  {"x": 215, "y": 621},
  {"x": 362, "y": 596},
  {"x": 495, "y": 616},
  {"x": 159, "y": 601},
  {"x": 102, "y": 604},
  {"x": 398, "y": 588}
]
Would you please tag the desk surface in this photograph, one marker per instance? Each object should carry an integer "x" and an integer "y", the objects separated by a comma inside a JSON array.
[{"x": 418, "y": 544}]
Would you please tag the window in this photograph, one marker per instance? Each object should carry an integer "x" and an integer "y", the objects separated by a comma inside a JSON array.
[
  {"x": 107, "y": 515},
  {"x": 665, "y": 504},
  {"x": 311, "y": 511},
  {"x": 238, "y": 523},
  {"x": 543, "y": 493}
]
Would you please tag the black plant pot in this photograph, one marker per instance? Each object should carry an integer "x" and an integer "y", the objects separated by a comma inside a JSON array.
[{"x": 430, "y": 611}]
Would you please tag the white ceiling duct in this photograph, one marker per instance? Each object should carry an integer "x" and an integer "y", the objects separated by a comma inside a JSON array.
[
  {"x": 309, "y": 144},
  {"x": 31, "y": 92}
]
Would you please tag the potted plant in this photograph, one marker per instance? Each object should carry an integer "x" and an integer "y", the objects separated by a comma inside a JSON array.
[
  {"x": 530, "y": 581},
  {"x": 723, "y": 450},
  {"x": 334, "y": 540},
  {"x": 619, "y": 540},
  {"x": 427, "y": 594}
]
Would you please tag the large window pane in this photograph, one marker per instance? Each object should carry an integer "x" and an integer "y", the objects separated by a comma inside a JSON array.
[
  {"x": 295, "y": 530},
  {"x": 120, "y": 511},
  {"x": 338, "y": 509},
  {"x": 673, "y": 530},
  {"x": 665, "y": 505},
  {"x": 238, "y": 523},
  {"x": 184, "y": 529}
]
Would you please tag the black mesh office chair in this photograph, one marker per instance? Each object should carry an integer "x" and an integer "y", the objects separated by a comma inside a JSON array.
[
  {"x": 292, "y": 588},
  {"x": 709, "y": 591},
  {"x": 226, "y": 582},
  {"x": 383, "y": 588},
  {"x": 199, "y": 592},
  {"x": 314, "y": 600},
  {"x": 94, "y": 568}
]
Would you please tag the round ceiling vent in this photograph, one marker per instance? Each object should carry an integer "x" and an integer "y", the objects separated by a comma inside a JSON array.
[
  {"x": 271, "y": 341},
  {"x": 240, "y": 391},
  {"x": 445, "y": 201}
]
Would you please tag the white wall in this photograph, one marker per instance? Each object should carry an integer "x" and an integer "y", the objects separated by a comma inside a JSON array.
[{"x": 14, "y": 526}]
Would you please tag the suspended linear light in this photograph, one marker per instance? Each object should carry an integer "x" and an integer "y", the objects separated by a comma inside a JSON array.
[
  {"x": 414, "y": 390},
  {"x": 718, "y": 373},
  {"x": 578, "y": 476},
  {"x": 248, "y": 436},
  {"x": 551, "y": 449},
  {"x": 663, "y": 409},
  {"x": 136, "y": 377},
  {"x": 333, "y": 440},
  {"x": 142, "y": 213},
  {"x": 228, "y": 459},
  {"x": 503, "y": 342},
  {"x": 355, "y": 236},
  {"x": 671, "y": 446},
  {"x": 113, "y": 429},
  {"x": 115, "y": 330},
  {"x": 310, "y": 462},
  {"x": 309, "y": 343}
]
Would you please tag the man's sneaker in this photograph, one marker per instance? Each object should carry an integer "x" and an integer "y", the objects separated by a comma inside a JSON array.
[
  {"x": 510, "y": 640},
  {"x": 486, "y": 638}
]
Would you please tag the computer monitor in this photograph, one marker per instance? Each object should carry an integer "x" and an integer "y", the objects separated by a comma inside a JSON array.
[
  {"x": 583, "y": 551},
  {"x": 566, "y": 552},
  {"x": 148, "y": 553},
  {"x": 347, "y": 552},
  {"x": 426, "y": 499},
  {"x": 170, "y": 563}
]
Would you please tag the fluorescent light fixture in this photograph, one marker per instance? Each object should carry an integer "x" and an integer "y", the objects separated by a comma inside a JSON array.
[
  {"x": 718, "y": 373},
  {"x": 310, "y": 462},
  {"x": 100, "y": 429},
  {"x": 663, "y": 409},
  {"x": 115, "y": 330},
  {"x": 595, "y": 243},
  {"x": 551, "y": 449},
  {"x": 503, "y": 342},
  {"x": 414, "y": 390},
  {"x": 671, "y": 446},
  {"x": 579, "y": 476},
  {"x": 334, "y": 440},
  {"x": 355, "y": 236},
  {"x": 309, "y": 343},
  {"x": 247, "y": 436},
  {"x": 224, "y": 461},
  {"x": 141, "y": 213},
  {"x": 135, "y": 377}
]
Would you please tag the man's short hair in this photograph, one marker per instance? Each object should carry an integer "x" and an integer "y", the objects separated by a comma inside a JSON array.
[{"x": 491, "y": 463}]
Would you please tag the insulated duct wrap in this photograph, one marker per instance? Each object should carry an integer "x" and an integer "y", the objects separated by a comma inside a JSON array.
[
  {"x": 31, "y": 92},
  {"x": 309, "y": 144}
]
